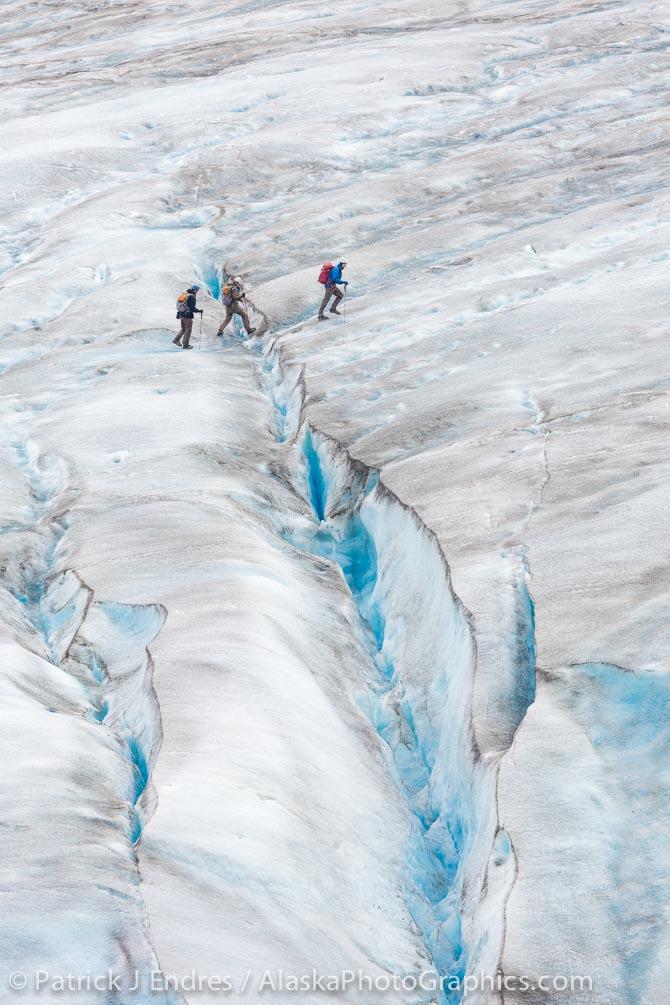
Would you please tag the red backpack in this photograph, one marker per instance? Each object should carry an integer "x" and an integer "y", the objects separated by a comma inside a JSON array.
[{"x": 325, "y": 272}]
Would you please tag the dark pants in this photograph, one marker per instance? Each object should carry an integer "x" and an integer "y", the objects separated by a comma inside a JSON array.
[
  {"x": 333, "y": 292},
  {"x": 235, "y": 309},
  {"x": 185, "y": 333}
]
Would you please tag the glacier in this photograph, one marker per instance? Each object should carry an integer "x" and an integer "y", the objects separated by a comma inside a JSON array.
[{"x": 342, "y": 648}]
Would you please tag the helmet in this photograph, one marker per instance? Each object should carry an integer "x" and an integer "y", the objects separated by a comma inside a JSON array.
[
  {"x": 195, "y": 286},
  {"x": 238, "y": 280}
]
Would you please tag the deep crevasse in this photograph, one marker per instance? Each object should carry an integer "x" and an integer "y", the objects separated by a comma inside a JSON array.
[{"x": 460, "y": 863}]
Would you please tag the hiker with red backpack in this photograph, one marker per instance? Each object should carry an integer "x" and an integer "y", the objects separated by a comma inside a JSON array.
[
  {"x": 330, "y": 276},
  {"x": 185, "y": 310},
  {"x": 232, "y": 294}
]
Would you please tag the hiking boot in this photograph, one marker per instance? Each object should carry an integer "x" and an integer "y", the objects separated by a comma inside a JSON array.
[
  {"x": 219, "y": 333},
  {"x": 176, "y": 341},
  {"x": 187, "y": 347},
  {"x": 322, "y": 317},
  {"x": 251, "y": 331},
  {"x": 334, "y": 310}
]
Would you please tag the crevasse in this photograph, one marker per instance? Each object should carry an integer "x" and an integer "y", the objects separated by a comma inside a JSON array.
[
  {"x": 102, "y": 645},
  {"x": 421, "y": 642},
  {"x": 109, "y": 655}
]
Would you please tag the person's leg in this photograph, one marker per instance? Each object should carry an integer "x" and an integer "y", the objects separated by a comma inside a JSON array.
[
  {"x": 226, "y": 320},
  {"x": 336, "y": 302},
  {"x": 324, "y": 303},
  {"x": 177, "y": 340},
  {"x": 188, "y": 326},
  {"x": 245, "y": 319}
]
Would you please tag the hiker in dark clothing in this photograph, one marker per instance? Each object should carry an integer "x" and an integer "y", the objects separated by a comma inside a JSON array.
[
  {"x": 331, "y": 290},
  {"x": 232, "y": 297},
  {"x": 185, "y": 310}
]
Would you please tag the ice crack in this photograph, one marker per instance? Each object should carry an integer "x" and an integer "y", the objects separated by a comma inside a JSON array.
[
  {"x": 419, "y": 693},
  {"x": 102, "y": 645}
]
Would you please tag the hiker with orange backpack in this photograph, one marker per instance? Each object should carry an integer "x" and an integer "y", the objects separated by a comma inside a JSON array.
[
  {"x": 185, "y": 310},
  {"x": 330, "y": 276},
  {"x": 232, "y": 294}
]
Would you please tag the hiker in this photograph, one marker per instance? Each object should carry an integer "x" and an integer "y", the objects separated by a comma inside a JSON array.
[
  {"x": 231, "y": 295},
  {"x": 330, "y": 276},
  {"x": 185, "y": 310}
]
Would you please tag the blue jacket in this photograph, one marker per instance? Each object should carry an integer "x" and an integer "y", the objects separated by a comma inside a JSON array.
[{"x": 336, "y": 275}]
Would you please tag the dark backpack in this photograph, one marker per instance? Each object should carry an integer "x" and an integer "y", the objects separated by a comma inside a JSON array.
[{"x": 326, "y": 269}]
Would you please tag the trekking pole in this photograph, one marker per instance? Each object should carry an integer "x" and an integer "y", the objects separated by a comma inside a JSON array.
[
  {"x": 246, "y": 311},
  {"x": 200, "y": 334},
  {"x": 344, "y": 307}
]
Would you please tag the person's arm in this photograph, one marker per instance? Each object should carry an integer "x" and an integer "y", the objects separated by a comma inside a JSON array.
[{"x": 336, "y": 277}]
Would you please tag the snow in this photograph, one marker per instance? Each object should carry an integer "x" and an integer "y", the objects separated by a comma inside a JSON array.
[{"x": 344, "y": 647}]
